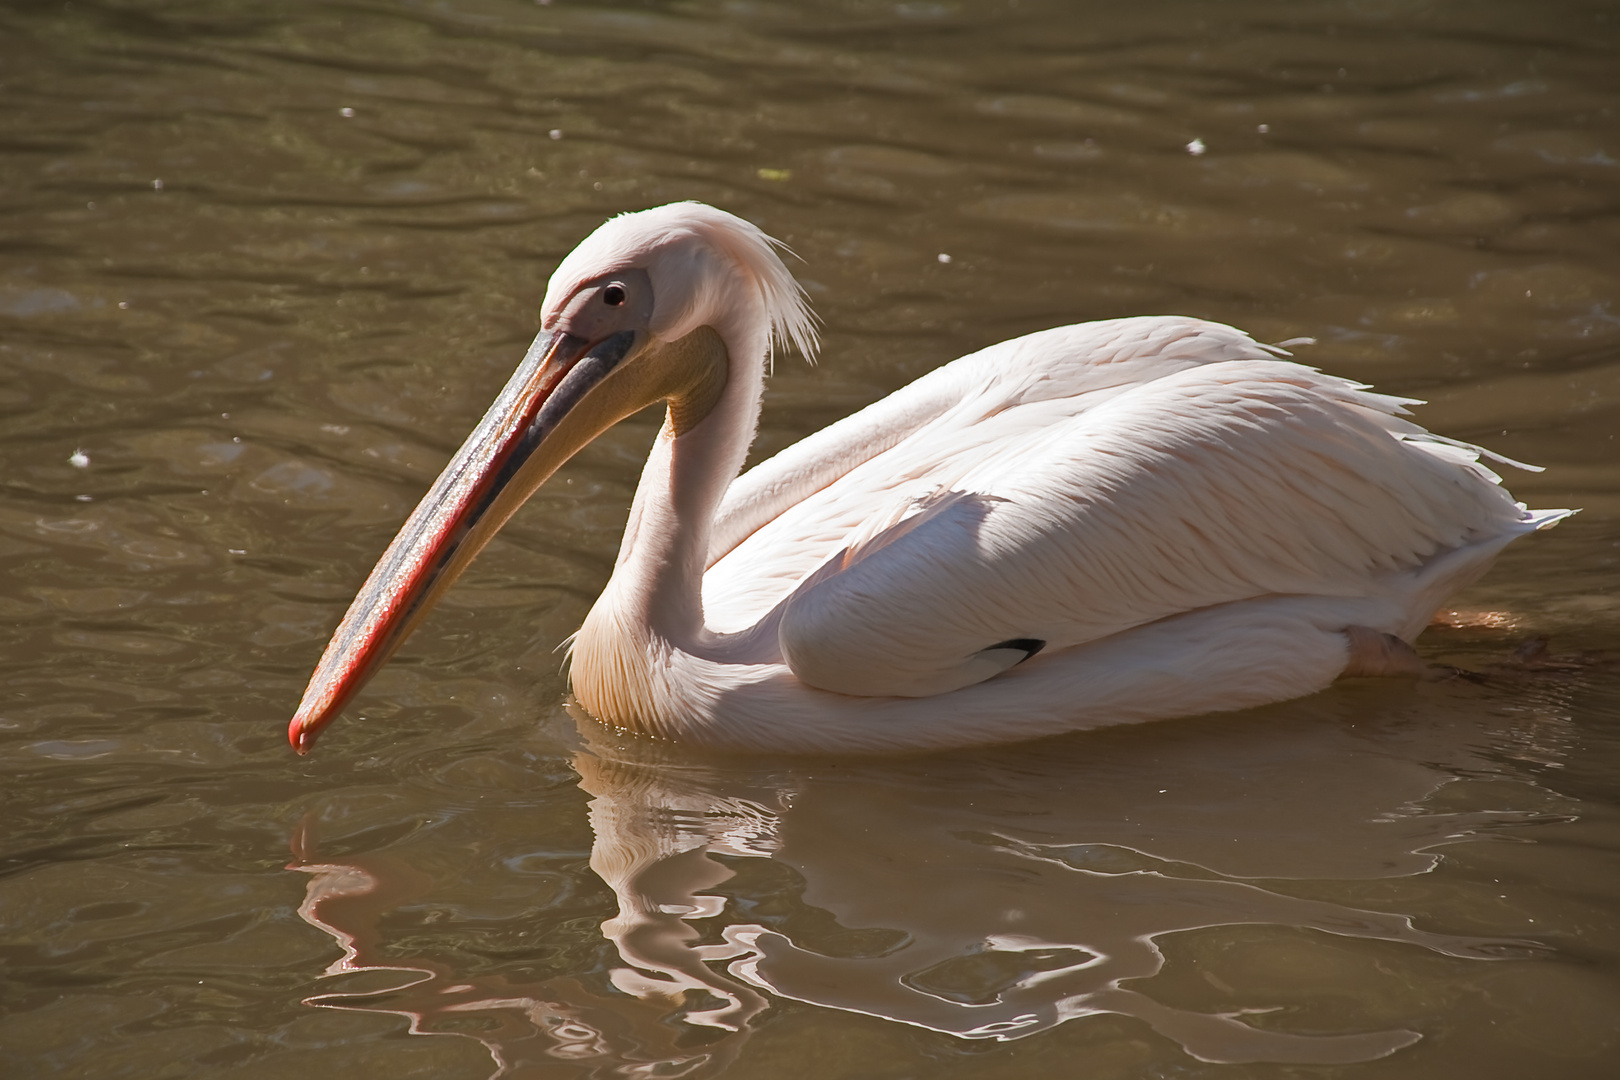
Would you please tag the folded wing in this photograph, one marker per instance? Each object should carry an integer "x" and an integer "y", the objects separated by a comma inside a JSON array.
[{"x": 1071, "y": 485}]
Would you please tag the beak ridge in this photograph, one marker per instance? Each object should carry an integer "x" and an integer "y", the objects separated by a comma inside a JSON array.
[{"x": 467, "y": 504}]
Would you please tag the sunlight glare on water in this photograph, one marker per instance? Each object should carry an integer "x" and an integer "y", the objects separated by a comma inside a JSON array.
[{"x": 263, "y": 267}]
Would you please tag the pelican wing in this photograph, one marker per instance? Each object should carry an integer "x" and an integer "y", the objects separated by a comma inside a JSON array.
[
  {"x": 1069, "y": 486},
  {"x": 782, "y": 518}
]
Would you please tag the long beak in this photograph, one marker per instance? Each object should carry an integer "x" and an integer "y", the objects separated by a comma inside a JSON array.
[{"x": 531, "y": 430}]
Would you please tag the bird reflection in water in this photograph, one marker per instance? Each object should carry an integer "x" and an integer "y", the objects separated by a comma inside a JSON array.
[{"x": 989, "y": 896}]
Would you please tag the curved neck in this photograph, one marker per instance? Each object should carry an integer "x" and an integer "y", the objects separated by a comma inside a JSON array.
[{"x": 657, "y": 581}]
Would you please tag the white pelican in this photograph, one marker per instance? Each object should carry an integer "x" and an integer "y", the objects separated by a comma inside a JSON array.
[{"x": 1098, "y": 524}]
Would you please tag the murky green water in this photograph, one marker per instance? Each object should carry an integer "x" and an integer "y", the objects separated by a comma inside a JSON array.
[{"x": 262, "y": 266}]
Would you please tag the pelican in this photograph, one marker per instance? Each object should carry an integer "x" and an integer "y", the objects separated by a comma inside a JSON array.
[{"x": 1097, "y": 524}]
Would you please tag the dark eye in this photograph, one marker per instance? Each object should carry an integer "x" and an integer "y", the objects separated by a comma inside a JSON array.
[{"x": 613, "y": 295}]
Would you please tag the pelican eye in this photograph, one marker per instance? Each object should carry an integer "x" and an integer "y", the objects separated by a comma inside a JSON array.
[{"x": 613, "y": 295}]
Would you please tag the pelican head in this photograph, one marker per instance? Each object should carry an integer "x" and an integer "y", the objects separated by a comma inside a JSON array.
[{"x": 652, "y": 306}]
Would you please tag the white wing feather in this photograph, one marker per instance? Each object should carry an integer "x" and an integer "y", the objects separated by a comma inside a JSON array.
[
  {"x": 1073, "y": 484},
  {"x": 789, "y": 513}
]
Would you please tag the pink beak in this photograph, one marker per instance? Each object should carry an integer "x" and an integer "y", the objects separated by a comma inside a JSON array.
[{"x": 495, "y": 470}]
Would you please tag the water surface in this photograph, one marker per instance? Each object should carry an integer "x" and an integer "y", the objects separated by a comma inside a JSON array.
[{"x": 261, "y": 267}]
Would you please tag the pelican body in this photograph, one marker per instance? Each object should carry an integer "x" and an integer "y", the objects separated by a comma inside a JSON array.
[{"x": 1097, "y": 524}]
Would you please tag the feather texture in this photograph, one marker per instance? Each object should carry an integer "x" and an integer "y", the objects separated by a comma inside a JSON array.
[{"x": 1080, "y": 482}]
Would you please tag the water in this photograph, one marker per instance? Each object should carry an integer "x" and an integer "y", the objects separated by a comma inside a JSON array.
[{"x": 264, "y": 266}]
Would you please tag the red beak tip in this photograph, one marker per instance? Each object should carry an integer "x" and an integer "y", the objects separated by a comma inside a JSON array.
[{"x": 301, "y": 739}]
